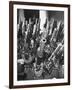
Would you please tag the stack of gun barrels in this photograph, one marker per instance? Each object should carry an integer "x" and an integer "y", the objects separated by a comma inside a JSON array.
[{"x": 40, "y": 51}]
